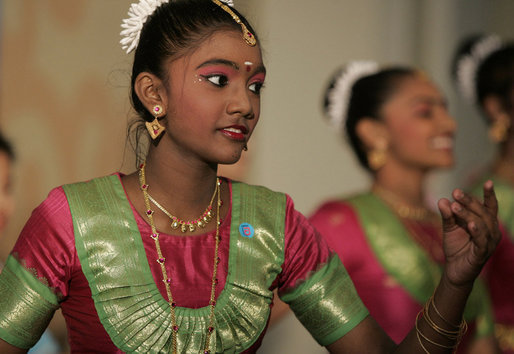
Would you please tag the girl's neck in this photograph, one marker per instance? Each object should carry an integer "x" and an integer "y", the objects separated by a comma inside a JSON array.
[
  {"x": 178, "y": 183},
  {"x": 406, "y": 184}
]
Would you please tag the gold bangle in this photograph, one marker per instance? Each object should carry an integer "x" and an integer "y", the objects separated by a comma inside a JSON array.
[
  {"x": 421, "y": 343},
  {"x": 419, "y": 333},
  {"x": 454, "y": 335},
  {"x": 457, "y": 334},
  {"x": 431, "y": 301}
]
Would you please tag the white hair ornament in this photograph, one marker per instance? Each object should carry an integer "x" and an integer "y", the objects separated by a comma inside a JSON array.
[
  {"x": 138, "y": 14},
  {"x": 339, "y": 96},
  {"x": 467, "y": 67}
]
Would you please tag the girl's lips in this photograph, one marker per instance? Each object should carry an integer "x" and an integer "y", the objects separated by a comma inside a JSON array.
[{"x": 235, "y": 132}]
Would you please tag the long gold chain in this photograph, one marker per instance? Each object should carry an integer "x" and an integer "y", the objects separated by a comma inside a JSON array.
[{"x": 161, "y": 260}]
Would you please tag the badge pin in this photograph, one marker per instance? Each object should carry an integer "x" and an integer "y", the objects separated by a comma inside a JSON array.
[{"x": 246, "y": 230}]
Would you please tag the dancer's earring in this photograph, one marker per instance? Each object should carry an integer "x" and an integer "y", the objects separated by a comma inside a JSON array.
[
  {"x": 498, "y": 131},
  {"x": 377, "y": 157},
  {"x": 155, "y": 128},
  {"x": 245, "y": 147}
]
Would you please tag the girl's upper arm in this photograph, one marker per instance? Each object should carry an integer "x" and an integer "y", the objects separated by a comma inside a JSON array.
[{"x": 366, "y": 337}]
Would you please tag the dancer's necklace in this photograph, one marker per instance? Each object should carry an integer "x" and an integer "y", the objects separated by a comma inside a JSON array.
[
  {"x": 176, "y": 222},
  {"x": 161, "y": 260},
  {"x": 402, "y": 209}
]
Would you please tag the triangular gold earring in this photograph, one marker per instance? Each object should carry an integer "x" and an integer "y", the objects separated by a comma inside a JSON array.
[{"x": 155, "y": 128}]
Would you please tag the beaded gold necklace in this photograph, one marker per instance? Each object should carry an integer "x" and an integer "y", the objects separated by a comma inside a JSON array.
[
  {"x": 176, "y": 222},
  {"x": 161, "y": 260},
  {"x": 402, "y": 209}
]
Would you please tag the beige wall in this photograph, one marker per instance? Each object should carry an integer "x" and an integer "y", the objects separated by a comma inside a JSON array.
[
  {"x": 64, "y": 84},
  {"x": 64, "y": 93}
]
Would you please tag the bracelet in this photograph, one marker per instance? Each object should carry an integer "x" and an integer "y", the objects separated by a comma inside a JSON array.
[
  {"x": 453, "y": 335},
  {"x": 431, "y": 301},
  {"x": 419, "y": 333},
  {"x": 419, "y": 339}
]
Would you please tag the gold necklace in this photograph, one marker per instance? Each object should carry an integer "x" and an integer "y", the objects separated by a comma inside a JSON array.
[
  {"x": 161, "y": 260},
  {"x": 402, "y": 209},
  {"x": 187, "y": 225}
]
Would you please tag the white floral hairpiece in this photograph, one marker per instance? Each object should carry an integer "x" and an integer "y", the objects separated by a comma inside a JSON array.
[
  {"x": 339, "y": 96},
  {"x": 138, "y": 14},
  {"x": 132, "y": 26},
  {"x": 467, "y": 67}
]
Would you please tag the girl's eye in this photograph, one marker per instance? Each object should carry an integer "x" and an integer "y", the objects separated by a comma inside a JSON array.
[
  {"x": 218, "y": 80},
  {"x": 256, "y": 87},
  {"x": 425, "y": 113}
]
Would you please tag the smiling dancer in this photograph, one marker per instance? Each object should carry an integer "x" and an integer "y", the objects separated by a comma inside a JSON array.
[
  {"x": 390, "y": 242},
  {"x": 173, "y": 258}
]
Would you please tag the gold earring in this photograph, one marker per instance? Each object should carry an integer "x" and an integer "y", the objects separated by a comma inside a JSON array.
[
  {"x": 499, "y": 129},
  {"x": 155, "y": 128},
  {"x": 377, "y": 157}
]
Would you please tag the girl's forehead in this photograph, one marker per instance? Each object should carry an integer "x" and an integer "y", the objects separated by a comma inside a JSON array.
[{"x": 228, "y": 45}]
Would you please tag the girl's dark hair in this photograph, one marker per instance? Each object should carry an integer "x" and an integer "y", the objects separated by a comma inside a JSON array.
[
  {"x": 6, "y": 147},
  {"x": 368, "y": 95},
  {"x": 173, "y": 30},
  {"x": 494, "y": 76}
]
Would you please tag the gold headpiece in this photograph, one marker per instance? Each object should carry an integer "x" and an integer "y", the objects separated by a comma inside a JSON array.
[{"x": 247, "y": 35}]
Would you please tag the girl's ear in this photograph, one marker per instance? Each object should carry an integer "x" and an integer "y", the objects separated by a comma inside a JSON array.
[
  {"x": 372, "y": 133},
  {"x": 151, "y": 91},
  {"x": 493, "y": 107}
]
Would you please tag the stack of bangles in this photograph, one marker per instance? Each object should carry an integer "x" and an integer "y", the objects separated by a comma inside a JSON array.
[{"x": 454, "y": 335}]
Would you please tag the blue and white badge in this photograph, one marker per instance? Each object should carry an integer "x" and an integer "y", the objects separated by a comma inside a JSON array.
[{"x": 246, "y": 230}]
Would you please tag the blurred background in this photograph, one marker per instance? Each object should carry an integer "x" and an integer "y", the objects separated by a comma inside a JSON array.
[{"x": 64, "y": 88}]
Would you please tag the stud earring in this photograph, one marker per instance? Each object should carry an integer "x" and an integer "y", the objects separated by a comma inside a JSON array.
[
  {"x": 245, "y": 147},
  {"x": 155, "y": 128}
]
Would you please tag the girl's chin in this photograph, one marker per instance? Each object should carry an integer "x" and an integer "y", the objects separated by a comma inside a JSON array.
[{"x": 230, "y": 159}]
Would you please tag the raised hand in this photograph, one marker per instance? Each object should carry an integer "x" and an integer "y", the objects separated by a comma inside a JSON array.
[{"x": 470, "y": 233}]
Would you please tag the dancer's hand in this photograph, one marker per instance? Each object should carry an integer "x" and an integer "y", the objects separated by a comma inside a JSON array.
[{"x": 470, "y": 234}]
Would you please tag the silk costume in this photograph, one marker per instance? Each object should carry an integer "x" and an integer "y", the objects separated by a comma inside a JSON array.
[
  {"x": 87, "y": 250},
  {"x": 394, "y": 272}
]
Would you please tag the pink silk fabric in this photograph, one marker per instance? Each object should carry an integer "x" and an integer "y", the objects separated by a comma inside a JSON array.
[
  {"x": 388, "y": 303},
  {"x": 46, "y": 246}
]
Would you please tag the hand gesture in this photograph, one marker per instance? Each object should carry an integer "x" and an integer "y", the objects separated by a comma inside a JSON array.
[{"x": 470, "y": 234}]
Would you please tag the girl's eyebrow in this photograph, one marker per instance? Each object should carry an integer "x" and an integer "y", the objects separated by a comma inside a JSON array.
[
  {"x": 259, "y": 69},
  {"x": 218, "y": 62},
  {"x": 430, "y": 100}
]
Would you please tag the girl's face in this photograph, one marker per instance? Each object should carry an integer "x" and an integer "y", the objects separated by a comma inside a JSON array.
[
  {"x": 419, "y": 127},
  {"x": 213, "y": 98}
]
